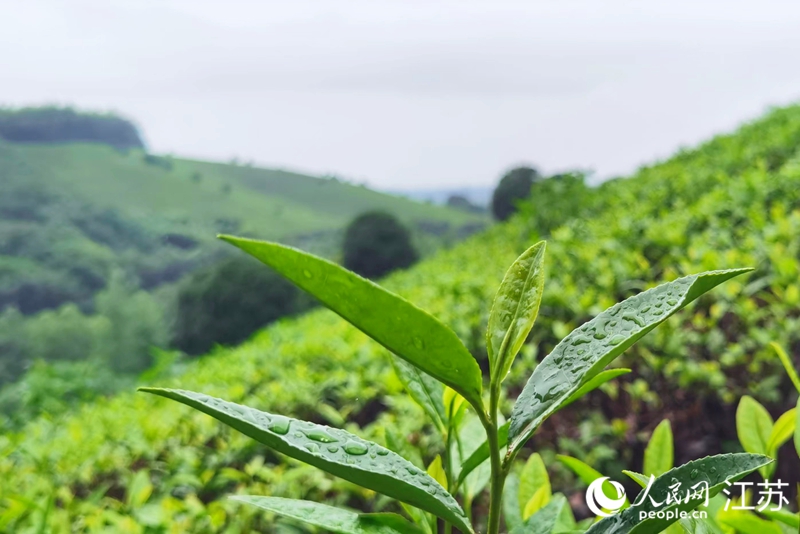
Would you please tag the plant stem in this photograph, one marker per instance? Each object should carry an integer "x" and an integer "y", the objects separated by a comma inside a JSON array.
[{"x": 498, "y": 472}]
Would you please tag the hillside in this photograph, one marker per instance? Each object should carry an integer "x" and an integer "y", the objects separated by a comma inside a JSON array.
[
  {"x": 134, "y": 462},
  {"x": 72, "y": 213}
]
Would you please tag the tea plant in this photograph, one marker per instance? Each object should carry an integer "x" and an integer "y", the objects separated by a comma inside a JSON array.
[
  {"x": 759, "y": 434},
  {"x": 442, "y": 375}
]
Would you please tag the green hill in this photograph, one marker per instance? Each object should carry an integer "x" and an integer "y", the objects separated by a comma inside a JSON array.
[
  {"x": 137, "y": 464},
  {"x": 71, "y": 213}
]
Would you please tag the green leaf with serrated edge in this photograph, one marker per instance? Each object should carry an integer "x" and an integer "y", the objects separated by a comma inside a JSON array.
[
  {"x": 481, "y": 454},
  {"x": 594, "y": 383},
  {"x": 532, "y": 478},
  {"x": 712, "y": 470},
  {"x": 331, "y": 518},
  {"x": 787, "y": 364},
  {"x": 658, "y": 455},
  {"x": 426, "y": 391},
  {"x": 637, "y": 477},
  {"x": 544, "y": 520},
  {"x": 586, "y": 351},
  {"x": 333, "y": 450},
  {"x": 782, "y": 431},
  {"x": 783, "y": 516},
  {"x": 754, "y": 427},
  {"x": 512, "y": 511},
  {"x": 514, "y": 310},
  {"x": 408, "y": 331}
]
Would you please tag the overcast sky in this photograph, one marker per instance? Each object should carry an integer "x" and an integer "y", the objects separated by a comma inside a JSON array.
[{"x": 409, "y": 94}]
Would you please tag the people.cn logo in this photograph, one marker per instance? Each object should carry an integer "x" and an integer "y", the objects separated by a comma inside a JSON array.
[{"x": 599, "y": 503}]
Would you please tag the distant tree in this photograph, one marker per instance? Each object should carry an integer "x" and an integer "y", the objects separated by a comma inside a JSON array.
[
  {"x": 376, "y": 243},
  {"x": 65, "y": 125},
  {"x": 225, "y": 303},
  {"x": 134, "y": 323},
  {"x": 514, "y": 186}
]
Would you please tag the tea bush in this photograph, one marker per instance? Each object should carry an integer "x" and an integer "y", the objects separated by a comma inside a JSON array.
[{"x": 139, "y": 464}]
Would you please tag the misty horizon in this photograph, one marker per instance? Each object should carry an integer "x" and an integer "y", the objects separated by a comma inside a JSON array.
[{"x": 410, "y": 99}]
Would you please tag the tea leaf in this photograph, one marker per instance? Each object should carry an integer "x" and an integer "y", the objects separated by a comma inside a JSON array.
[
  {"x": 787, "y": 364},
  {"x": 514, "y": 310},
  {"x": 333, "y": 450},
  {"x": 783, "y": 516},
  {"x": 745, "y": 522},
  {"x": 637, "y": 477},
  {"x": 424, "y": 389},
  {"x": 536, "y": 503},
  {"x": 658, "y": 455},
  {"x": 797, "y": 428},
  {"x": 782, "y": 431},
  {"x": 588, "y": 474},
  {"x": 544, "y": 520},
  {"x": 584, "y": 353},
  {"x": 532, "y": 479},
  {"x": 713, "y": 470},
  {"x": 406, "y": 330},
  {"x": 436, "y": 471},
  {"x": 594, "y": 383},
  {"x": 481, "y": 454},
  {"x": 330, "y": 518},
  {"x": 754, "y": 427},
  {"x": 512, "y": 511}
]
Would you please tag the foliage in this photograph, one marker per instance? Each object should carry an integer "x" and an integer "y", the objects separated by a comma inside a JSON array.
[
  {"x": 376, "y": 244},
  {"x": 226, "y": 302},
  {"x": 135, "y": 322},
  {"x": 72, "y": 357},
  {"x": 66, "y": 125},
  {"x": 556, "y": 200},
  {"x": 422, "y": 341},
  {"x": 514, "y": 186},
  {"x": 732, "y": 201}
]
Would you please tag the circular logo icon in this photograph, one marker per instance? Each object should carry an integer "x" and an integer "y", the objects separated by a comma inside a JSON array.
[{"x": 599, "y": 503}]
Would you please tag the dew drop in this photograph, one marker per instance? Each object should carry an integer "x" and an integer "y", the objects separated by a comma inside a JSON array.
[
  {"x": 580, "y": 340},
  {"x": 382, "y": 452},
  {"x": 599, "y": 335},
  {"x": 355, "y": 448},
  {"x": 645, "y": 309},
  {"x": 419, "y": 343},
  {"x": 312, "y": 447},
  {"x": 616, "y": 340},
  {"x": 672, "y": 302},
  {"x": 693, "y": 474},
  {"x": 320, "y": 435},
  {"x": 332, "y": 448},
  {"x": 307, "y": 273},
  {"x": 279, "y": 425},
  {"x": 633, "y": 318}
]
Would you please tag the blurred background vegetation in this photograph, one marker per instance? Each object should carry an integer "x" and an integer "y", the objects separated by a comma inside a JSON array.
[{"x": 110, "y": 276}]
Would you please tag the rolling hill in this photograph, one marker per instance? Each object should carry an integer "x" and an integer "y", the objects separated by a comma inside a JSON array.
[
  {"x": 136, "y": 463},
  {"x": 71, "y": 213}
]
